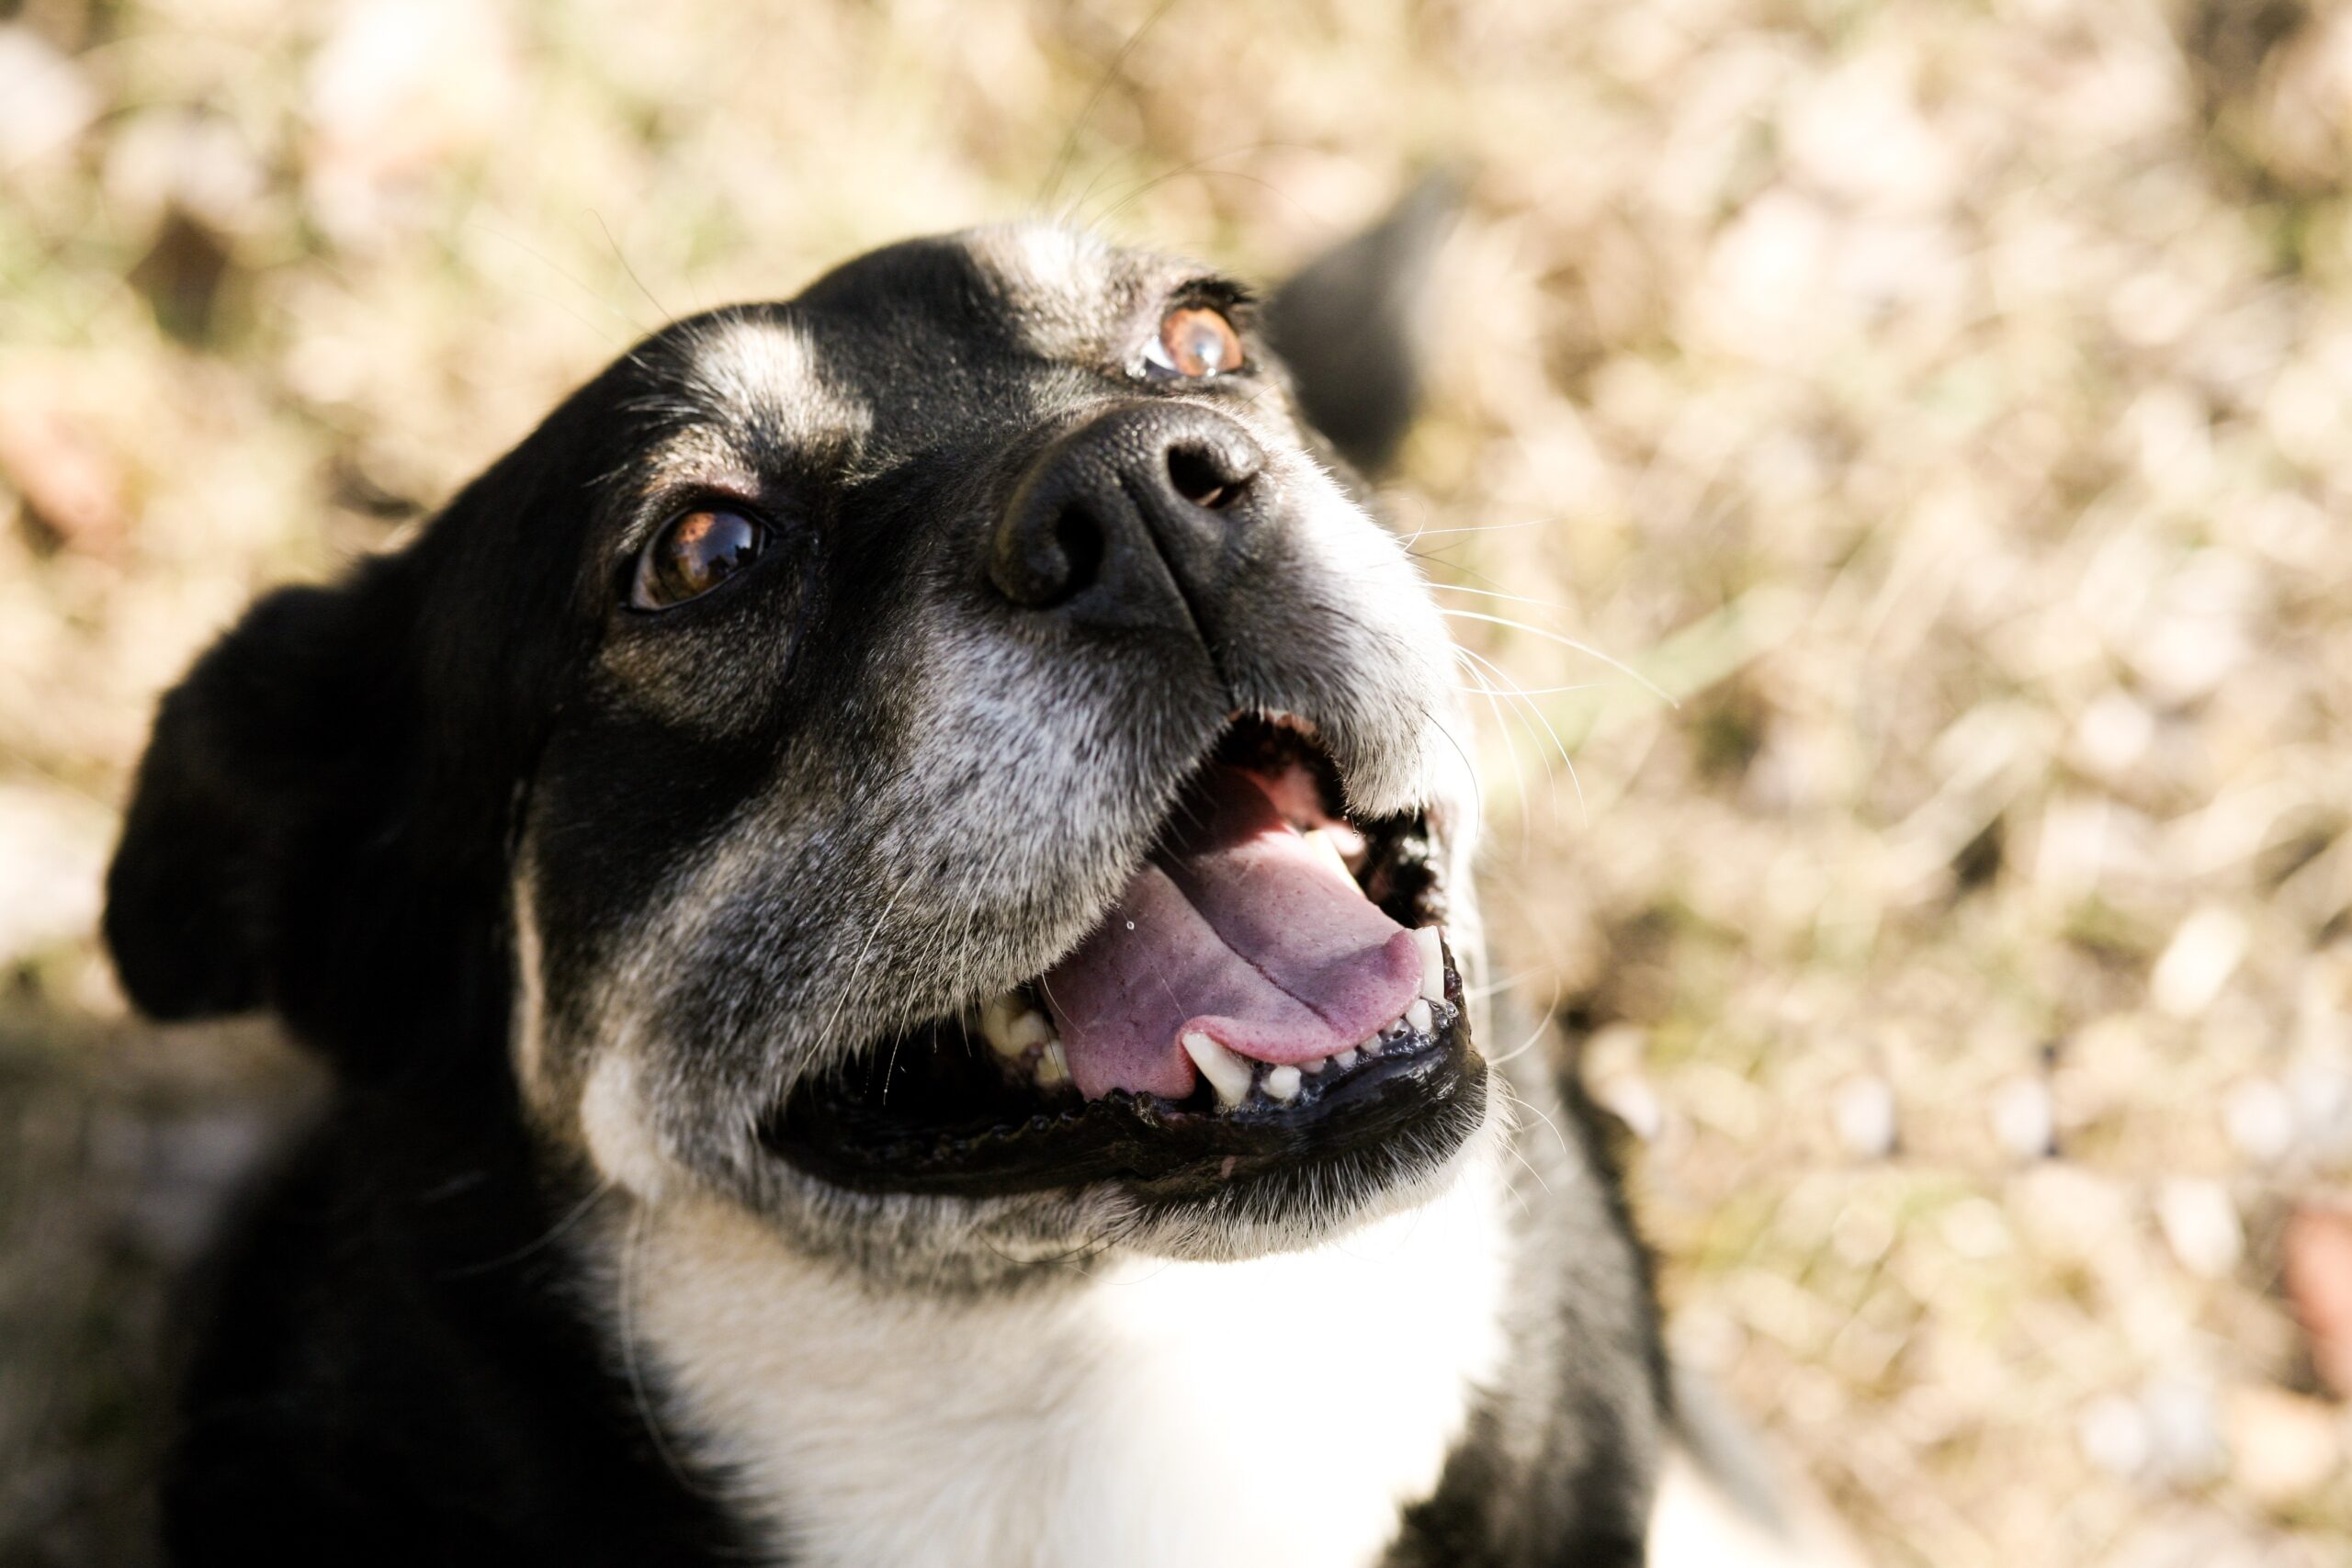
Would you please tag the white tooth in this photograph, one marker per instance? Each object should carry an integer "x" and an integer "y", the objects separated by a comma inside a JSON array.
[
  {"x": 1053, "y": 1065},
  {"x": 1012, "y": 1027},
  {"x": 1281, "y": 1083},
  {"x": 1001, "y": 1022},
  {"x": 1314, "y": 1066},
  {"x": 1346, "y": 1058},
  {"x": 1227, "y": 1073},
  {"x": 1418, "y": 1016},
  {"x": 1327, "y": 850},
  {"x": 1432, "y": 963}
]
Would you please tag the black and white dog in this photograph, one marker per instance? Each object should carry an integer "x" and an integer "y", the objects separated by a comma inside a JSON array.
[{"x": 889, "y": 897}]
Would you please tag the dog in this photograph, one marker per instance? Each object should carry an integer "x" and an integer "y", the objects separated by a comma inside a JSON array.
[{"x": 888, "y": 895}]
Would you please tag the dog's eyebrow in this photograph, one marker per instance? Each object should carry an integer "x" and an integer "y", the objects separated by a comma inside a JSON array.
[
  {"x": 1042, "y": 262},
  {"x": 1063, "y": 288},
  {"x": 763, "y": 375}
]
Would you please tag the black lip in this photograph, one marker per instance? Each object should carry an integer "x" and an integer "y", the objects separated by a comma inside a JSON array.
[{"x": 1428, "y": 1090}]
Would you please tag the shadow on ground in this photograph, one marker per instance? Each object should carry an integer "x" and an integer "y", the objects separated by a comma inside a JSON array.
[{"x": 121, "y": 1148}]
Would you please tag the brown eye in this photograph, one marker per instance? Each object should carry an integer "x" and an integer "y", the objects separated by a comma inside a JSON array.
[
  {"x": 1195, "y": 341},
  {"x": 692, "y": 554}
]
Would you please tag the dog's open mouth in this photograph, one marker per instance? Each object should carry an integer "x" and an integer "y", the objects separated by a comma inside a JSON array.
[{"x": 1271, "y": 990}]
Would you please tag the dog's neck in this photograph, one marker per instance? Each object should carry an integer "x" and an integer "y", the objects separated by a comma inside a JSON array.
[{"x": 1278, "y": 1410}]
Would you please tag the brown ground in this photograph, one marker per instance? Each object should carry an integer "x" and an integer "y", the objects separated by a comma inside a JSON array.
[{"x": 1947, "y": 404}]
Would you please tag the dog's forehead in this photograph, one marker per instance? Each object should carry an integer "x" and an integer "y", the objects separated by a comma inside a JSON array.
[
  {"x": 1064, "y": 288},
  {"x": 916, "y": 309},
  {"x": 1048, "y": 291},
  {"x": 910, "y": 329}
]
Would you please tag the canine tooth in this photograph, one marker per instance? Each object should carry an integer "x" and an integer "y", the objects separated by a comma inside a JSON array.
[
  {"x": 1327, "y": 850},
  {"x": 999, "y": 1024},
  {"x": 1227, "y": 1073},
  {"x": 1053, "y": 1065},
  {"x": 1281, "y": 1083},
  {"x": 1346, "y": 1058},
  {"x": 1433, "y": 948},
  {"x": 1418, "y": 1016}
]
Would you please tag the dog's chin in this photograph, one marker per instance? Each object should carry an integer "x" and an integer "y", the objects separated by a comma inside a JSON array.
[{"x": 1147, "y": 1134}]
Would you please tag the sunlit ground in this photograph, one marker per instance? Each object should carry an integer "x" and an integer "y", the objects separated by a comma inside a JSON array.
[{"x": 1946, "y": 406}]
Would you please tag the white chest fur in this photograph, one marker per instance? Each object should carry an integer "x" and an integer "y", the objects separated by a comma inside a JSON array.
[{"x": 1167, "y": 1415}]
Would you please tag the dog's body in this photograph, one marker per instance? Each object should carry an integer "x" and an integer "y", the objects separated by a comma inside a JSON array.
[
  {"x": 836, "y": 877},
  {"x": 419, "y": 1357}
]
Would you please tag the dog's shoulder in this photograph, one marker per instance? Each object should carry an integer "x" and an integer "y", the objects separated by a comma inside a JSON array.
[{"x": 394, "y": 1370}]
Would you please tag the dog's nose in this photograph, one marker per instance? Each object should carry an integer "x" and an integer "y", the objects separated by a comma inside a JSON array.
[{"x": 1115, "y": 508}]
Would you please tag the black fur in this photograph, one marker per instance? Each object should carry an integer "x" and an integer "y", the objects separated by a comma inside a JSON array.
[
  {"x": 395, "y": 1369},
  {"x": 401, "y": 1366}
]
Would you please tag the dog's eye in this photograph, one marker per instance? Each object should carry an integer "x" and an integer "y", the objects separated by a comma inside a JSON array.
[
  {"x": 693, "y": 554},
  {"x": 1195, "y": 341}
]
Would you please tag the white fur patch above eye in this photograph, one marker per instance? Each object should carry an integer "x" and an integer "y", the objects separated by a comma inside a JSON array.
[
  {"x": 768, "y": 371},
  {"x": 1043, "y": 256},
  {"x": 1055, "y": 282},
  {"x": 620, "y": 1140}
]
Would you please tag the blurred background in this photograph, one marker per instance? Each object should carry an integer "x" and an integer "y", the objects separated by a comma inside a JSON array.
[{"x": 1946, "y": 406}]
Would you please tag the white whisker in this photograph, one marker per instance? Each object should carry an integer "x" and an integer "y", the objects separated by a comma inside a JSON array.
[
  {"x": 1543, "y": 1023},
  {"x": 1499, "y": 594},
  {"x": 1545, "y": 691},
  {"x": 1419, "y": 534},
  {"x": 1499, "y": 988},
  {"x": 1617, "y": 664},
  {"x": 1502, "y": 728},
  {"x": 1557, "y": 744},
  {"x": 1526, "y": 1104}
]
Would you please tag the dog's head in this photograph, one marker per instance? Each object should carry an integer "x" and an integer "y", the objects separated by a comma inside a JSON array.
[{"x": 945, "y": 761}]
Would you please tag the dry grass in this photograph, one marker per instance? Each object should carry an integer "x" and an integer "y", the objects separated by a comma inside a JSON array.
[{"x": 1947, "y": 404}]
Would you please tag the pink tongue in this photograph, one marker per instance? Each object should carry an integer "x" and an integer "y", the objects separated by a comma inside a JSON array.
[{"x": 1238, "y": 929}]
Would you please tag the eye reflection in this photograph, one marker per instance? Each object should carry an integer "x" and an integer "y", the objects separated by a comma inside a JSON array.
[
  {"x": 693, "y": 554},
  {"x": 1195, "y": 342}
]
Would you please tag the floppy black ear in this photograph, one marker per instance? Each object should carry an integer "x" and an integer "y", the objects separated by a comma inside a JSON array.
[
  {"x": 267, "y": 765},
  {"x": 1349, "y": 326},
  {"x": 321, "y": 823}
]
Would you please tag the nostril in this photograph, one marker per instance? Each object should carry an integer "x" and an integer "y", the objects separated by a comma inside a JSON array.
[
  {"x": 1118, "y": 508},
  {"x": 1200, "y": 478},
  {"x": 1080, "y": 538},
  {"x": 1049, "y": 549}
]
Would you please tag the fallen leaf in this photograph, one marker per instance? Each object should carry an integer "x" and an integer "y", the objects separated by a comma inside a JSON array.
[{"x": 2317, "y": 1250}]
